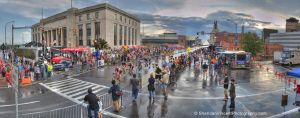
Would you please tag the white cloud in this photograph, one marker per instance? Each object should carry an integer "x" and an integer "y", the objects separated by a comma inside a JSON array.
[{"x": 25, "y": 34}]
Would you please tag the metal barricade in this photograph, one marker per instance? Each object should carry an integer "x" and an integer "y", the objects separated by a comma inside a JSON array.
[
  {"x": 74, "y": 111},
  {"x": 80, "y": 110}
]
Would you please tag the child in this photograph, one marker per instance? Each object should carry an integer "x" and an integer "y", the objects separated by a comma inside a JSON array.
[{"x": 100, "y": 107}]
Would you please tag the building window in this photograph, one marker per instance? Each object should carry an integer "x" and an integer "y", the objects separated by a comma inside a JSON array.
[
  {"x": 181, "y": 40},
  {"x": 97, "y": 15},
  {"x": 39, "y": 37},
  {"x": 120, "y": 35},
  {"x": 125, "y": 21},
  {"x": 115, "y": 16},
  {"x": 129, "y": 21},
  {"x": 121, "y": 18},
  {"x": 88, "y": 34},
  {"x": 132, "y": 36},
  {"x": 125, "y": 34},
  {"x": 80, "y": 35},
  {"x": 271, "y": 51},
  {"x": 54, "y": 38},
  {"x": 80, "y": 18},
  {"x": 135, "y": 24},
  {"x": 128, "y": 35},
  {"x": 115, "y": 34},
  {"x": 132, "y": 23},
  {"x": 97, "y": 30},
  {"x": 65, "y": 36},
  {"x": 135, "y": 37},
  {"x": 88, "y": 16},
  {"x": 32, "y": 30}
]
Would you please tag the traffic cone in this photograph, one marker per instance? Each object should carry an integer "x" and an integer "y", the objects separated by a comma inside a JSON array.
[
  {"x": 276, "y": 72},
  {"x": 281, "y": 76},
  {"x": 285, "y": 77},
  {"x": 289, "y": 79},
  {"x": 272, "y": 63},
  {"x": 267, "y": 68},
  {"x": 295, "y": 82}
]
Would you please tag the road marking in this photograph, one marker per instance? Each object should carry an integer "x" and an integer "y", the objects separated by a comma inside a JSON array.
[
  {"x": 247, "y": 110},
  {"x": 284, "y": 113},
  {"x": 19, "y": 104}
]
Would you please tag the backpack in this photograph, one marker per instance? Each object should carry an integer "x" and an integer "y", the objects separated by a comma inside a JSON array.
[
  {"x": 3, "y": 69},
  {"x": 158, "y": 70},
  {"x": 118, "y": 92}
]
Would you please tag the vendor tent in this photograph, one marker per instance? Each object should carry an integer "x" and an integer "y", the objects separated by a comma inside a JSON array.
[{"x": 295, "y": 72}]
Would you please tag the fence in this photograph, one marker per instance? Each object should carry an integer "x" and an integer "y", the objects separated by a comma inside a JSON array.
[{"x": 80, "y": 110}]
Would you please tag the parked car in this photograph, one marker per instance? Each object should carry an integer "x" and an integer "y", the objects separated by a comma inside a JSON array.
[
  {"x": 61, "y": 65},
  {"x": 57, "y": 59}
]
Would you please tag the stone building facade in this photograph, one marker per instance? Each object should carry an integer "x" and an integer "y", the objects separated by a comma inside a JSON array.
[{"x": 80, "y": 27}]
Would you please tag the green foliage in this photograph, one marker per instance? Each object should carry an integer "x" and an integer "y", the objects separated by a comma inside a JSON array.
[
  {"x": 251, "y": 42},
  {"x": 26, "y": 53},
  {"x": 103, "y": 44}
]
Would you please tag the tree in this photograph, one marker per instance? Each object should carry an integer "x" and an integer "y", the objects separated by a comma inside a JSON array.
[{"x": 251, "y": 42}]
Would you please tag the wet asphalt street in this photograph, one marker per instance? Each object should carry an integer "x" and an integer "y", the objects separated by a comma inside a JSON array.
[{"x": 257, "y": 90}]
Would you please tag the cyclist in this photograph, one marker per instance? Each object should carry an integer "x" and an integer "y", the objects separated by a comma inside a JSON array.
[{"x": 146, "y": 62}]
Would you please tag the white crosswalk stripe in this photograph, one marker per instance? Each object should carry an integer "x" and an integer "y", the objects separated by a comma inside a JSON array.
[{"x": 74, "y": 89}]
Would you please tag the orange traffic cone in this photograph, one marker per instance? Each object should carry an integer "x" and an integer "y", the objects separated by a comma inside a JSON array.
[
  {"x": 272, "y": 63},
  {"x": 267, "y": 68},
  {"x": 258, "y": 64},
  {"x": 295, "y": 82},
  {"x": 279, "y": 74},
  {"x": 276, "y": 72},
  {"x": 285, "y": 77},
  {"x": 289, "y": 79}
]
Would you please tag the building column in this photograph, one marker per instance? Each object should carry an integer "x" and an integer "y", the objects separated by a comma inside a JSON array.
[
  {"x": 118, "y": 35},
  {"x": 93, "y": 30},
  {"x": 84, "y": 34},
  {"x": 48, "y": 37}
]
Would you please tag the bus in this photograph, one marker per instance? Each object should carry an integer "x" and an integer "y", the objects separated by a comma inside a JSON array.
[{"x": 236, "y": 59}]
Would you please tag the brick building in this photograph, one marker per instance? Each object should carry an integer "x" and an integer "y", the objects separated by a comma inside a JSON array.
[
  {"x": 269, "y": 51},
  {"x": 227, "y": 40},
  {"x": 181, "y": 40}
]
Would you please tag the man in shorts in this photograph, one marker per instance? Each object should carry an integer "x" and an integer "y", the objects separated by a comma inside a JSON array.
[
  {"x": 158, "y": 71},
  {"x": 165, "y": 82},
  {"x": 204, "y": 67}
]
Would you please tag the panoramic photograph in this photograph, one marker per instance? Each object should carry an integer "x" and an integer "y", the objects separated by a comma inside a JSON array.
[{"x": 149, "y": 59}]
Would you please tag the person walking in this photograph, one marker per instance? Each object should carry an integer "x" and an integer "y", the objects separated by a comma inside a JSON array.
[
  {"x": 116, "y": 98},
  {"x": 165, "y": 81},
  {"x": 158, "y": 71},
  {"x": 225, "y": 82},
  {"x": 67, "y": 68},
  {"x": 232, "y": 94},
  {"x": 205, "y": 67},
  {"x": 49, "y": 70},
  {"x": 78, "y": 65},
  {"x": 43, "y": 68},
  {"x": 135, "y": 87},
  {"x": 151, "y": 87},
  {"x": 93, "y": 103},
  {"x": 37, "y": 71},
  {"x": 8, "y": 78}
]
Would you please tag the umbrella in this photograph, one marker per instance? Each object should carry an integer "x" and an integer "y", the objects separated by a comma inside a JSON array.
[
  {"x": 65, "y": 49},
  {"x": 75, "y": 49},
  {"x": 82, "y": 48}
]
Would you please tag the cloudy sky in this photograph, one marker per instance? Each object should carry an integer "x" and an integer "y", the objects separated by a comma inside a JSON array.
[{"x": 185, "y": 17}]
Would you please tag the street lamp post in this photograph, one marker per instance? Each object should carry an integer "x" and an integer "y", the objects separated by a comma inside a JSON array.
[
  {"x": 235, "y": 30},
  {"x": 5, "y": 31},
  {"x": 96, "y": 28}
]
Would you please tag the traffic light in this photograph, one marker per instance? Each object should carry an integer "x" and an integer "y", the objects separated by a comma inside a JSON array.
[
  {"x": 74, "y": 32},
  {"x": 42, "y": 30},
  {"x": 59, "y": 30},
  {"x": 197, "y": 35}
]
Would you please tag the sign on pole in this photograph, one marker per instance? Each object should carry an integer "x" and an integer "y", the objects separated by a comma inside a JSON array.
[
  {"x": 236, "y": 40},
  {"x": 15, "y": 77}
]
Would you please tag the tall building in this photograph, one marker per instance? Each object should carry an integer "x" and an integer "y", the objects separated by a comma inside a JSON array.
[
  {"x": 266, "y": 33},
  {"x": 290, "y": 40},
  {"x": 292, "y": 25},
  {"x": 227, "y": 40},
  {"x": 80, "y": 27},
  {"x": 212, "y": 38}
]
